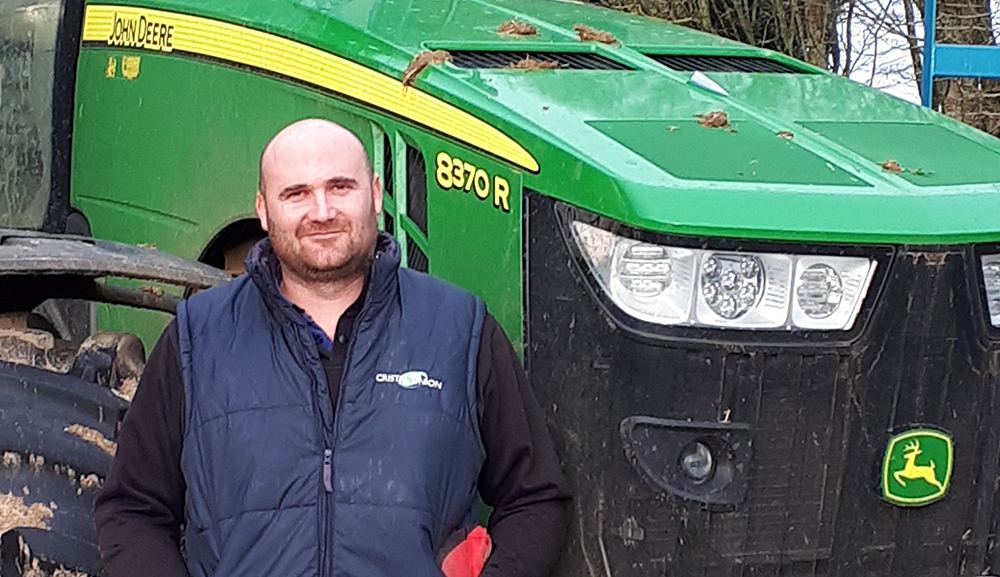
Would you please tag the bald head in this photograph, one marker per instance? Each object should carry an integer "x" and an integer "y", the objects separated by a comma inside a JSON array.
[
  {"x": 307, "y": 136},
  {"x": 319, "y": 202}
]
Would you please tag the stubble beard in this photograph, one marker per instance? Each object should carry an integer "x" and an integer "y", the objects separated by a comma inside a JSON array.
[{"x": 345, "y": 263}]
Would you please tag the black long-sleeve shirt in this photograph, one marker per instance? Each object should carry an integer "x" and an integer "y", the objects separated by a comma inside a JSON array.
[{"x": 140, "y": 510}]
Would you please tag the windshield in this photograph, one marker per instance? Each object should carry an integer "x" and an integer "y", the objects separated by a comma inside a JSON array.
[{"x": 27, "y": 67}]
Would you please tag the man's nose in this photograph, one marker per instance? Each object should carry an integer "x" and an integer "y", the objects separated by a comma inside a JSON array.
[{"x": 323, "y": 209}]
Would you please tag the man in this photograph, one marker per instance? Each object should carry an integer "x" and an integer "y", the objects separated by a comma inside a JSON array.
[{"x": 329, "y": 413}]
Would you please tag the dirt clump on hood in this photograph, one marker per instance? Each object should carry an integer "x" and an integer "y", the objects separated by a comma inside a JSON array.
[
  {"x": 515, "y": 28},
  {"x": 422, "y": 61},
  {"x": 530, "y": 63},
  {"x": 892, "y": 166},
  {"x": 717, "y": 119},
  {"x": 588, "y": 34}
]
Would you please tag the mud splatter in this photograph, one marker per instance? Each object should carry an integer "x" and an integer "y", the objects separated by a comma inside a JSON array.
[
  {"x": 515, "y": 28},
  {"x": 530, "y": 63},
  {"x": 421, "y": 61},
  {"x": 892, "y": 166},
  {"x": 588, "y": 34},
  {"x": 717, "y": 119},
  {"x": 90, "y": 482},
  {"x": 128, "y": 388},
  {"x": 128, "y": 354},
  {"x": 94, "y": 438},
  {"x": 36, "y": 338},
  {"x": 36, "y": 462},
  {"x": 895, "y": 168},
  {"x": 29, "y": 347},
  {"x": 67, "y": 573},
  {"x": 11, "y": 460},
  {"x": 15, "y": 514},
  {"x": 35, "y": 570}
]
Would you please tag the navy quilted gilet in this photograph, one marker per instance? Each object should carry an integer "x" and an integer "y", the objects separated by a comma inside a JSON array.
[{"x": 278, "y": 483}]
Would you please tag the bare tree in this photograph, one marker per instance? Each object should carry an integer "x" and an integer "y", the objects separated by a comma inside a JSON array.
[
  {"x": 974, "y": 101},
  {"x": 805, "y": 29}
]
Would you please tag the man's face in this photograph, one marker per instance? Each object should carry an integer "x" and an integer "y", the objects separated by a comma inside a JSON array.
[{"x": 319, "y": 202}]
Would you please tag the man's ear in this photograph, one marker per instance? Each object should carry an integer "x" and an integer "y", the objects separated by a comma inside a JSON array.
[
  {"x": 261, "y": 208},
  {"x": 377, "y": 194}
]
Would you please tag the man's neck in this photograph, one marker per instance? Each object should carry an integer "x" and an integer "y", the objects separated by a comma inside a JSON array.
[{"x": 324, "y": 302}]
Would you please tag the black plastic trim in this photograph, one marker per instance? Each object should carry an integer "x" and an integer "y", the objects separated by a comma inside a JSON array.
[
  {"x": 655, "y": 457},
  {"x": 63, "y": 105}
]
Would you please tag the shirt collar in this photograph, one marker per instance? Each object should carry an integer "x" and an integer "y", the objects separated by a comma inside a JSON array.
[
  {"x": 324, "y": 342},
  {"x": 380, "y": 284}
]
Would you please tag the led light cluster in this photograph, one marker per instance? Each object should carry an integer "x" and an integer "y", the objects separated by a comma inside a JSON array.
[
  {"x": 683, "y": 286},
  {"x": 991, "y": 284}
]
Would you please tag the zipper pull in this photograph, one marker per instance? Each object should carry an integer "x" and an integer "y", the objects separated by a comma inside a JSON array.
[{"x": 328, "y": 470}]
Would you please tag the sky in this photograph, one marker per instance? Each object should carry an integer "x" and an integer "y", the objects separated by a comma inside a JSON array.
[{"x": 880, "y": 52}]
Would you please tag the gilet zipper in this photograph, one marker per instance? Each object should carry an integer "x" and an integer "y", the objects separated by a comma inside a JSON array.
[{"x": 327, "y": 559}]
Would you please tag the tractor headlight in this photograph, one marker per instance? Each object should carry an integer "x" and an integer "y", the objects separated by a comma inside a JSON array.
[
  {"x": 651, "y": 282},
  {"x": 991, "y": 284},
  {"x": 684, "y": 286}
]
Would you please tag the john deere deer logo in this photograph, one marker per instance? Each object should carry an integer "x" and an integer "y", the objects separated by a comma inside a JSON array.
[
  {"x": 913, "y": 471},
  {"x": 917, "y": 467}
]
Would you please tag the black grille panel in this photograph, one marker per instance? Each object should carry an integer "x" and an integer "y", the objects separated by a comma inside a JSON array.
[
  {"x": 819, "y": 417},
  {"x": 686, "y": 63},
  {"x": 389, "y": 223},
  {"x": 415, "y": 258},
  {"x": 416, "y": 188},
  {"x": 388, "y": 183},
  {"x": 503, "y": 59}
]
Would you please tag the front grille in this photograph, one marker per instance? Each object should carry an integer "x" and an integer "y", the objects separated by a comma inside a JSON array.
[
  {"x": 819, "y": 417},
  {"x": 416, "y": 188},
  {"x": 388, "y": 183},
  {"x": 505, "y": 58},
  {"x": 415, "y": 258},
  {"x": 687, "y": 63}
]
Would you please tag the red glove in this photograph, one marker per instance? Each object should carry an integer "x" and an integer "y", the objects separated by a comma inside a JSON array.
[{"x": 465, "y": 553}]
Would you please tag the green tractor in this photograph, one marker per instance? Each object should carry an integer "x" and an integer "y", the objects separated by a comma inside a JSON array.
[{"x": 759, "y": 303}]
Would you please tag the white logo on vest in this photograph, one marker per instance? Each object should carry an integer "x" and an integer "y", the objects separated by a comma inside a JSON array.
[{"x": 409, "y": 380}]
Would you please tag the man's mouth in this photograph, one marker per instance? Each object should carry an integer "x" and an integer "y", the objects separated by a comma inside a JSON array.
[{"x": 324, "y": 235}]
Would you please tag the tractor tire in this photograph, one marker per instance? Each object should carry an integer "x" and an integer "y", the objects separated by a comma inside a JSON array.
[{"x": 56, "y": 448}]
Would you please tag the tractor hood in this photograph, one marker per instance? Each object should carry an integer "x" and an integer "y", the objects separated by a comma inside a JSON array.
[
  {"x": 795, "y": 157},
  {"x": 806, "y": 155}
]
